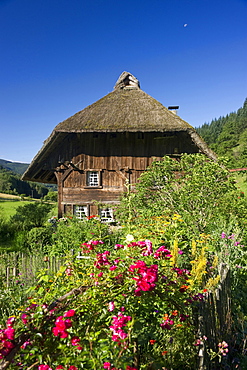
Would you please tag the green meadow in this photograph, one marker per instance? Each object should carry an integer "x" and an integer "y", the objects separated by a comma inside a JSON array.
[
  {"x": 9, "y": 207},
  {"x": 9, "y": 204}
]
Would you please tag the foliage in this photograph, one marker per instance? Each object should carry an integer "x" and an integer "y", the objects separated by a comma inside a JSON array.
[
  {"x": 39, "y": 238},
  {"x": 227, "y": 136},
  {"x": 125, "y": 307},
  {"x": 241, "y": 181},
  {"x": 28, "y": 229},
  {"x": 11, "y": 298},
  {"x": 57, "y": 237},
  {"x": 6, "y": 230},
  {"x": 196, "y": 188},
  {"x": 31, "y": 215},
  {"x": 208, "y": 201},
  {"x": 51, "y": 196},
  {"x": 124, "y": 302},
  {"x": 11, "y": 183},
  {"x": 68, "y": 232}
]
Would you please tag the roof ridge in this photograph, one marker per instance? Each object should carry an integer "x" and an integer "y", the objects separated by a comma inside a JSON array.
[{"x": 127, "y": 81}]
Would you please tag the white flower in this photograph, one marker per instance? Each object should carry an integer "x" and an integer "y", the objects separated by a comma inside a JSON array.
[{"x": 129, "y": 238}]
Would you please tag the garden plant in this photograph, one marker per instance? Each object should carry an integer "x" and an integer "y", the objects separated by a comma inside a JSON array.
[
  {"x": 127, "y": 306},
  {"x": 127, "y": 298}
]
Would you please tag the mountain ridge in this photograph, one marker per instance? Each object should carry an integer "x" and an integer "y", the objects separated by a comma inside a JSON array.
[{"x": 16, "y": 167}]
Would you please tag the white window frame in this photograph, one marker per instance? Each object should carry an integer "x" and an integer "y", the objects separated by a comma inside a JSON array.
[
  {"x": 93, "y": 179},
  {"x": 106, "y": 214},
  {"x": 81, "y": 211}
]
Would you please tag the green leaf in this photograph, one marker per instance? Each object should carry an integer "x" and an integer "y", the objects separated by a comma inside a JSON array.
[{"x": 41, "y": 290}]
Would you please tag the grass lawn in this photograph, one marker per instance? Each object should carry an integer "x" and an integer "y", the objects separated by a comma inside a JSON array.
[
  {"x": 9, "y": 203},
  {"x": 8, "y": 207}
]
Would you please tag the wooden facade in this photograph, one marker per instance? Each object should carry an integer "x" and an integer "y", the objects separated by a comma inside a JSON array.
[
  {"x": 117, "y": 158},
  {"x": 94, "y": 153}
]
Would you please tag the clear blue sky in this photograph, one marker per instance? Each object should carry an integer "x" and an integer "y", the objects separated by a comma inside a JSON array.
[{"x": 58, "y": 56}]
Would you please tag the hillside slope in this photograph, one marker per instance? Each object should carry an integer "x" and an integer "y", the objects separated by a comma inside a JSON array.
[
  {"x": 16, "y": 167},
  {"x": 227, "y": 136},
  {"x": 10, "y": 183}
]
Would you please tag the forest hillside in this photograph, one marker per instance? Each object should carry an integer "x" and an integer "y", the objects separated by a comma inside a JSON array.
[
  {"x": 16, "y": 167},
  {"x": 227, "y": 136},
  {"x": 11, "y": 183}
]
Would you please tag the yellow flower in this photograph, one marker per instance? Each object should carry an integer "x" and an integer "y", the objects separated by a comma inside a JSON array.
[
  {"x": 215, "y": 261},
  {"x": 193, "y": 248},
  {"x": 174, "y": 253},
  {"x": 213, "y": 282}
]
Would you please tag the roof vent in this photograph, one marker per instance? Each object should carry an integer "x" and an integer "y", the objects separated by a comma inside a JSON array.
[
  {"x": 127, "y": 81},
  {"x": 173, "y": 108}
]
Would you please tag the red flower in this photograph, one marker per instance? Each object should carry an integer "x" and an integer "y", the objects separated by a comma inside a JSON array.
[
  {"x": 69, "y": 313},
  {"x": 75, "y": 341},
  {"x": 90, "y": 217}
]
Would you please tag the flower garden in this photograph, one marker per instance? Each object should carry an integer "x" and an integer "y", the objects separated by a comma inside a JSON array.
[{"x": 128, "y": 297}]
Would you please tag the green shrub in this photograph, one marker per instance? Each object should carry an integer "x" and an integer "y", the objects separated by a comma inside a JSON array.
[
  {"x": 68, "y": 233},
  {"x": 198, "y": 189},
  {"x": 7, "y": 231},
  {"x": 31, "y": 215},
  {"x": 51, "y": 196},
  {"x": 39, "y": 238}
]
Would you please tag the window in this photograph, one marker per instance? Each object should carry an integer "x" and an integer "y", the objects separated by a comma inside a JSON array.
[
  {"x": 81, "y": 212},
  {"x": 106, "y": 215},
  {"x": 93, "y": 178}
]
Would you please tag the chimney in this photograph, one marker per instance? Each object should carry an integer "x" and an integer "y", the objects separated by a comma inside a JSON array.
[{"x": 173, "y": 108}]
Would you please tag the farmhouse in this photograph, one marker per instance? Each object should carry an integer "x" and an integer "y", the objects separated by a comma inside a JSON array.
[{"x": 91, "y": 155}]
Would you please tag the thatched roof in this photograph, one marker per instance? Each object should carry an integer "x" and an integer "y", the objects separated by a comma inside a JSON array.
[{"x": 126, "y": 109}]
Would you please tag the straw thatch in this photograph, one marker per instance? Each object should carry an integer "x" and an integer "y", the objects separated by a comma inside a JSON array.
[{"x": 126, "y": 109}]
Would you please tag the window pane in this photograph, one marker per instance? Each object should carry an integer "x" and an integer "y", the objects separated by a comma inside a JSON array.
[
  {"x": 81, "y": 212},
  {"x": 92, "y": 178},
  {"x": 106, "y": 215}
]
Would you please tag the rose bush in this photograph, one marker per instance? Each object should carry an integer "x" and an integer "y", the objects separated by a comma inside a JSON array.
[{"x": 125, "y": 307}]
